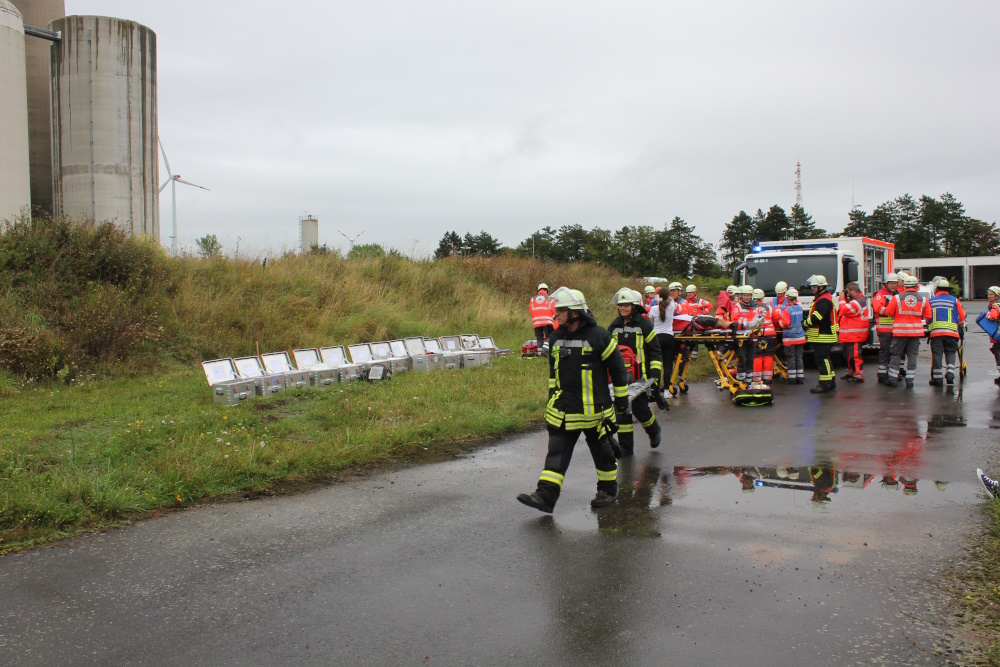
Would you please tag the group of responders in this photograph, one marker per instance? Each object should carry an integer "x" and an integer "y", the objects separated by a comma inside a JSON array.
[{"x": 235, "y": 380}]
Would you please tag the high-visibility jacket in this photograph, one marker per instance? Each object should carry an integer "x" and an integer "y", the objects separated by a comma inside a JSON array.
[
  {"x": 699, "y": 306},
  {"x": 778, "y": 302},
  {"x": 637, "y": 333},
  {"x": 579, "y": 364},
  {"x": 820, "y": 325},
  {"x": 542, "y": 308},
  {"x": 742, "y": 313},
  {"x": 765, "y": 313},
  {"x": 946, "y": 315},
  {"x": 908, "y": 310},
  {"x": 882, "y": 298},
  {"x": 792, "y": 332},
  {"x": 854, "y": 316}
]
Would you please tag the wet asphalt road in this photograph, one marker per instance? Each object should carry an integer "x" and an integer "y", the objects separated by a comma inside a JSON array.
[{"x": 720, "y": 550}]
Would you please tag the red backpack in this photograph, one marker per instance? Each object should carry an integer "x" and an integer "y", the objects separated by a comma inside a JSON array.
[{"x": 632, "y": 370}]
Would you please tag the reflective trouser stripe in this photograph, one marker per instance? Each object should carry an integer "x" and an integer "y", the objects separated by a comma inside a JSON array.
[
  {"x": 551, "y": 476},
  {"x": 648, "y": 422},
  {"x": 884, "y": 351},
  {"x": 625, "y": 427},
  {"x": 607, "y": 475}
]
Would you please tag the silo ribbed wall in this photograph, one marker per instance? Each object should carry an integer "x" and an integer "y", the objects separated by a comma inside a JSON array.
[
  {"x": 104, "y": 75},
  {"x": 15, "y": 191}
]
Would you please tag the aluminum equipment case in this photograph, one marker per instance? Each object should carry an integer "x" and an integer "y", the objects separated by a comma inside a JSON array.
[
  {"x": 320, "y": 375},
  {"x": 449, "y": 360},
  {"x": 488, "y": 344},
  {"x": 250, "y": 368},
  {"x": 452, "y": 346},
  {"x": 362, "y": 355},
  {"x": 336, "y": 358},
  {"x": 470, "y": 343},
  {"x": 384, "y": 353},
  {"x": 423, "y": 361},
  {"x": 278, "y": 363},
  {"x": 227, "y": 387}
]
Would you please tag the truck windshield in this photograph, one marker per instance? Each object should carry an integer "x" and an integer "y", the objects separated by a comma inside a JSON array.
[{"x": 766, "y": 272}]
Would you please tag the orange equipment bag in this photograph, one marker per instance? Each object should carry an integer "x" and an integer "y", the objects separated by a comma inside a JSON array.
[{"x": 632, "y": 370}]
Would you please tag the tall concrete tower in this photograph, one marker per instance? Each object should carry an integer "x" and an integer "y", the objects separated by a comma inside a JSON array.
[
  {"x": 15, "y": 195},
  {"x": 39, "y": 13},
  {"x": 308, "y": 232}
]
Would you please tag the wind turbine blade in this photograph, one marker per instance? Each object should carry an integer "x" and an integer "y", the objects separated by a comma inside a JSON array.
[
  {"x": 181, "y": 180},
  {"x": 165, "y": 160},
  {"x": 165, "y": 184}
]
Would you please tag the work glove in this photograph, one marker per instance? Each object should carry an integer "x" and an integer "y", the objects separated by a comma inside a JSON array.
[
  {"x": 755, "y": 323},
  {"x": 543, "y": 351},
  {"x": 621, "y": 404}
]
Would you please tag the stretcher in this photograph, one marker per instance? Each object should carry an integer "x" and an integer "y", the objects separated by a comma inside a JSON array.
[{"x": 721, "y": 345}]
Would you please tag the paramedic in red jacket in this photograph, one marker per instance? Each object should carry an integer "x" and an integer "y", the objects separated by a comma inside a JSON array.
[
  {"x": 993, "y": 314},
  {"x": 883, "y": 323},
  {"x": 542, "y": 310},
  {"x": 854, "y": 315},
  {"x": 908, "y": 310}
]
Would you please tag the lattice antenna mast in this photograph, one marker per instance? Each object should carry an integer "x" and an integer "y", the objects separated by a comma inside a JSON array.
[{"x": 798, "y": 183}]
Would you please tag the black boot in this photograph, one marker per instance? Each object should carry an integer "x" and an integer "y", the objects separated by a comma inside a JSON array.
[
  {"x": 602, "y": 499},
  {"x": 627, "y": 443},
  {"x": 534, "y": 500},
  {"x": 654, "y": 435}
]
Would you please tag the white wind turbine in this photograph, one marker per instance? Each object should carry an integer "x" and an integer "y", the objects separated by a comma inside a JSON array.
[{"x": 173, "y": 180}]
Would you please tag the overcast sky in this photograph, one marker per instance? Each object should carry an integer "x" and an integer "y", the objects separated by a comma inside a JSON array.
[{"x": 406, "y": 119}]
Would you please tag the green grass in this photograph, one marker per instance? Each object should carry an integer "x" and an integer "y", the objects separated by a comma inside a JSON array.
[{"x": 978, "y": 589}]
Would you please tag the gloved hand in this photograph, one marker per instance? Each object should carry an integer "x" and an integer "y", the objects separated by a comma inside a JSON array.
[
  {"x": 543, "y": 351},
  {"x": 616, "y": 449},
  {"x": 755, "y": 323},
  {"x": 621, "y": 404}
]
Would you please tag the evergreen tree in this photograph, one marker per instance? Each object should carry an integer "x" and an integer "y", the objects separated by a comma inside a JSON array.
[
  {"x": 802, "y": 225},
  {"x": 737, "y": 239},
  {"x": 451, "y": 244}
]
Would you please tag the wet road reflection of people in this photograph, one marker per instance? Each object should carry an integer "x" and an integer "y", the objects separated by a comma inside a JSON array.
[{"x": 633, "y": 513}]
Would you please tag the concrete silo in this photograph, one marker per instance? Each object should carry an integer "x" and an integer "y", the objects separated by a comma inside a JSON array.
[
  {"x": 15, "y": 191},
  {"x": 308, "y": 232},
  {"x": 104, "y": 159},
  {"x": 39, "y": 13}
]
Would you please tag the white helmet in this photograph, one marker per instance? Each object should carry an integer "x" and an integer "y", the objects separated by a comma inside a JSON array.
[
  {"x": 626, "y": 296},
  {"x": 994, "y": 290},
  {"x": 942, "y": 283},
  {"x": 910, "y": 281},
  {"x": 732, "y": 289},
  {"x": 792, "y": 293},
  {"x": 891, "y": 278},
  {"x": 746, "y": 289},
  {"x": 572, "y": 299},
  {"x": 675, "y": 285},
  {"x": 781, "y": 287},
  {"x": 649, "y": 289},
  {"x": 758, "y": 293},
  {"x": 543, "y": 286},
  {"x": 818, "y": 281},
  {"x": 690, "y": 288}
]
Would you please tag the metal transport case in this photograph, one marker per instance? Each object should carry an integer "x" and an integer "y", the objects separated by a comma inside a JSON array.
[
  {"x": 250, "y": 367},
  {"x": 488, "y": 344},
  {"x": 396, "y": 363},
  {"x": 449, "y": 360},
  {"x": 470, "y": 346},
  {"x": 336, "y": 358},
  {"x": 320, "y": 375},
  {"x": 278, "y": 363},
  {"x": 227, "y": 387},
  {"x": 362, "y": 355},
  {"x": 423, "y": 361}
]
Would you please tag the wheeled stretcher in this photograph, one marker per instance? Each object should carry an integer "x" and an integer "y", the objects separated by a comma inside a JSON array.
[{"x": 722, "y": 346}]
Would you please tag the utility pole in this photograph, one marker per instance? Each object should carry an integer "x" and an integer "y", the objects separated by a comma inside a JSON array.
[{"x": 798, "y": 183}]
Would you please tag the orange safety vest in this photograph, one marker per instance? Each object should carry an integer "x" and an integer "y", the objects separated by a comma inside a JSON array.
[
  {"x": 908, "y": 311},
  {"x": 765, "y": 313},
  {"x": 854, "y": 316},
  {"x": 699, "y": 306},
  {"x": 542, "y": 309},
  {"x": 882, "y": 298}
]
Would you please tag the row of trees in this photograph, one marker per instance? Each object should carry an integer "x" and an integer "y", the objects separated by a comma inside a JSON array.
[{"x": 927, "y": 227}]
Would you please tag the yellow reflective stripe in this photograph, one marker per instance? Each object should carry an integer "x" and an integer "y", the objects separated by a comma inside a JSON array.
[
  {"x": 649, "y": 422},
  {"x": 552, "y": 383},
  {"x": 650, "y": 336},
  {"x": 551, "y": 476},
  {"x": 656, "y": 365},
  {"x": 625, "y": 428},
  {"x": 612, "y": 346},
  {"x": 607, "y": 475},
  {"x": 620, "y": 391},
  {"x": 587, "y": 382}
]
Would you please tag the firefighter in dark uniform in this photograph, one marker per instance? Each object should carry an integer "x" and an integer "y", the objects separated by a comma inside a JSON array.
[
  {"x": 582, "y": 355},
  {"x": 636, "y": 332},
  {"x": 821, "y": 332}
]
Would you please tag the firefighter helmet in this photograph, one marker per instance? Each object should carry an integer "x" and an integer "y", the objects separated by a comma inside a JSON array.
[
  {"x": 571, "y": 299},
  {"x": 649, "y": 289},
  {"x": 781, "y": 287},
  {"x": 732, "y": 289},
  {"x": 910, "y": 281},
  {"x": 690, "y": 288},
  {"x": 746, "y": 290},
  {"x": 891, "y": 278},
  {"x": 942, "y": 283},
  {"x": 818, "y": 281},
  {"x": 675, "y": 286},
  {"x": 626, "y": 296},
  {"x": 758, "y": 293},
  {"x": 543, "y": 286},
  {"x": 792, "y": 293}
]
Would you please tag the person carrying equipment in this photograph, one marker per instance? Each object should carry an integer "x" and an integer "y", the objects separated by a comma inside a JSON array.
[
  {"x": 993, "y": 315},
  {"x": 633, "y": 331},
  {"x": 908, "y": 311},
  {"x": 883, "y": 325},
  {"x": 821, "y": 332},
  {"x": 583, "y": 355},
  {"x": 853, "y": 315},
  {"x": 947, "y": 317},
  {"x": 766, "y": 343},
  {"x": 542, "y": 311},
  {"x": 793, "y": 336}
]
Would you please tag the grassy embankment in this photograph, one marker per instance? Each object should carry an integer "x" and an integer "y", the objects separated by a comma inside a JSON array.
[
  {"x": 978, "y": 586},
  {"x": 106, "y": 415}
]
